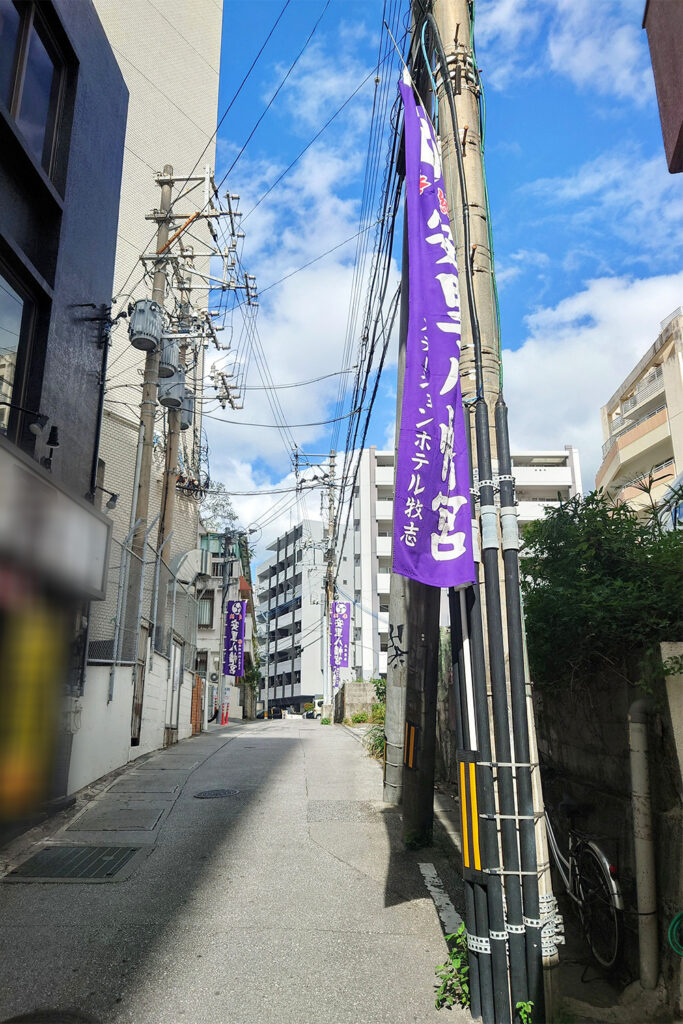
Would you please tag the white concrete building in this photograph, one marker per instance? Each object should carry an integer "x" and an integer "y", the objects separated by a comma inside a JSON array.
[
  {"x": 290, "y": 613},
  {"x": 170, "y": 60},
  {"x": 290, "y": 581},
  {"x": 210, "y": 623},
  {"x": 642, "y": 423},
  {"x": 542, "y": 477}
]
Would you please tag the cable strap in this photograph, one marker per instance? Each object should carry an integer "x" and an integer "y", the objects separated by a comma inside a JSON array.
[
  {"x": 478, "y": 943},
  {"x": 515, "y": 929},
  {"x": 498, "y": 936}
]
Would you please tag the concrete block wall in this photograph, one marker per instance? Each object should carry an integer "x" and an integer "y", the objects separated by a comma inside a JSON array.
[
  {"x": 583, "y": 744},
  {"x": 352, "y": 698},
  {"x": 101, "y": 739}
]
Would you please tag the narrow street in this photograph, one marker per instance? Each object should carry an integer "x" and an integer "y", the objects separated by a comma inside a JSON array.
[{"x": 291, "y": 899}]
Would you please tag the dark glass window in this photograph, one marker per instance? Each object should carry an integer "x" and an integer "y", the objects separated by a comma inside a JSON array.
[
  {"x": 206, "y": 611},
  {"x": 39, "y": 95},
  {"x": 31, "y": 73},
  {"x": 12, "y": 316},
  {"x": 9, "y": 38}
]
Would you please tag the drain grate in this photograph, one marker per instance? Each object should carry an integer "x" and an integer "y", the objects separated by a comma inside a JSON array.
[
  {"x": 75, "y": 862},
  {"x": 215, "y": 794}
]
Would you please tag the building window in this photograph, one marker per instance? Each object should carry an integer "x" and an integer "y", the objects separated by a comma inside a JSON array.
[
  {"x": 31, "y": 78},
  {"x": 16, "y": 330},
  {"x": 205, "y": 620},
  {"x": 217, "y": 568}
]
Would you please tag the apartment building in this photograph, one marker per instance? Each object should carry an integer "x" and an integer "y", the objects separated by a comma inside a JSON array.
[
  {"x": 290, "y": 582},
  {"x": 291, "y": 603},
  {"x": 142, "y": 637},
  {"x": 642, "y": 423},
  {"x": 543, "y": 478},
  {"x": 172, "y": 115},
  {"x": 227, "y": 582}
]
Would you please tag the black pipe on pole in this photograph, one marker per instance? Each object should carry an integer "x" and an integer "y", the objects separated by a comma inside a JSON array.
[
  {"x": 477, "y": 975},
  {"x": 518, "y": 703},
  {"x": 489, "y": 544},
  {"x": 488, "y": 899}
]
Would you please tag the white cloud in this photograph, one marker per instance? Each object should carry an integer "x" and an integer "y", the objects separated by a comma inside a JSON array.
[
  {"x": 576, "y": 355},
  {"x": 521, "y": 261},
  {"x": 597, "y": 46},
  {"x": 622, "y": 193}
]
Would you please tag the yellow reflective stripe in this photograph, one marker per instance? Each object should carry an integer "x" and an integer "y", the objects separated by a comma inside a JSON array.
[
  {"x": 412, "y": 746},
  {"x": 475, "y": 816},
  {"x": 463, "y": 815}
]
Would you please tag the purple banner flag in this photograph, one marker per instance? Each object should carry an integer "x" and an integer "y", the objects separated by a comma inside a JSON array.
[
  {"x": 235, "y": 617},
  {"x": 432, "y": 514},
  {"x": 340, "y": 628}
]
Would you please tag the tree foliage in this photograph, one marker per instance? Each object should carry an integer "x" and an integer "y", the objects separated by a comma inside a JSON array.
[
  {"x": 602, "y": 588},
  {"x": 217, "y": 513}
]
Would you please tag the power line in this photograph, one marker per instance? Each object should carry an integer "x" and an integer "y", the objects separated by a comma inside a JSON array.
[
  {"x": 318, "y": 423},
  {"x": 274, "y": 96},
  {"x": 225, "y": 113}
]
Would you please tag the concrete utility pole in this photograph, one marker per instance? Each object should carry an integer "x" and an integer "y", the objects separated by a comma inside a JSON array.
[
  {"x": 150, "y": 385},
  {"x": 171, "y": 468},
  {"x": 453, "y": 19}
]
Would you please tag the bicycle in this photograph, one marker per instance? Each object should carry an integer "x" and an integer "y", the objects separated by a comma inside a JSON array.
[{"x": 592, "y": 886}]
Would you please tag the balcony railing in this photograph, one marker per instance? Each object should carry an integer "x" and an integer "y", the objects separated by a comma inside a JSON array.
[{"x": 611, "y": 441}]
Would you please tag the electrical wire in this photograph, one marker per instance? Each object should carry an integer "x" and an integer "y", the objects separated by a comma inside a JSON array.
[{"x": 224, "y": 115}]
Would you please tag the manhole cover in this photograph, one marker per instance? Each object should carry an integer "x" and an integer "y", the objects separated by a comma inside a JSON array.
[
  {"x": 215, "y": 794},
  {"x": 75, "y": 862}
]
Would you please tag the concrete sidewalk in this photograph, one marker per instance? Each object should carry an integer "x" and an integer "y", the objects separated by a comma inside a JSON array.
[{"x": 291, "y": 899}]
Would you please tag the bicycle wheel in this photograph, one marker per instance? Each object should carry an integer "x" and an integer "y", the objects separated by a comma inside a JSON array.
[{"x": 599, "y": 907}]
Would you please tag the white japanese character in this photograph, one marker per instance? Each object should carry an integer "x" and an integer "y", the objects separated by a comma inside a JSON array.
[
  {"x": 429, "y": 150},
  {"x": 446, "y": 449},
  {"x": 446, "y": 545},
  {"x": 413, "y": 508},
  {"x": 451, "y": 381},
  {"x": 449, "y": 286},
  {"x": 409, "y": 535}
]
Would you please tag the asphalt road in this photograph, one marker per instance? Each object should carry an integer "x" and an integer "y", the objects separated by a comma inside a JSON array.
[{"x": 291, "y": 899}]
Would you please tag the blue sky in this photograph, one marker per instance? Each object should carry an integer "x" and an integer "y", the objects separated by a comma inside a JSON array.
[{"x": 586, "y": 218}]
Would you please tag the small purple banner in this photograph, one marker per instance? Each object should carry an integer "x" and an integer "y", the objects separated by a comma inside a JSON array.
[
  {"x": 432, "y": 514},
  {"x": 340, "y": 628},
  {"x": 235, "y": 616}
]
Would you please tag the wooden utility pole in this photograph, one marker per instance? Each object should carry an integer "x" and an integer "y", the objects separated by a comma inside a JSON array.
[{"x": 150, "y": 384}]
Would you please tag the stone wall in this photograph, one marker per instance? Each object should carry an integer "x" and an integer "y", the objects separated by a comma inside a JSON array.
[
  {"x": 583, "y": 747},
  {"x": 352, "y": 698}
]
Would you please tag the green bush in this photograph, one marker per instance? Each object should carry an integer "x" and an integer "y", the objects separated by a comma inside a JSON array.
[
  {"x": 454, "y": 974},
  {"x": 359, "y": 717},
  {"x": 380, "y": 686},
  {"x": 378, "y": 713},
  {"x": 308, "y": 707},
  {"x": 602, "y": 588},
  {"x": 324, "y": 721},
  {"x": 374, "y": 741}
]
